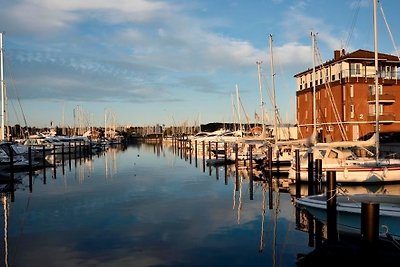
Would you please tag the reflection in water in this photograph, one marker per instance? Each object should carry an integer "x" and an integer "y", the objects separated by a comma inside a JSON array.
[
  {"x": 393, "y": 189},
  {"x": 6, "y": 207},
  {"x": 146, "y": 210},
  {"x": 263, "y": 211}
]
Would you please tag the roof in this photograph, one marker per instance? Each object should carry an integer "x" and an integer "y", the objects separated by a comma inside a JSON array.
[{"x": 359, "y": 54}]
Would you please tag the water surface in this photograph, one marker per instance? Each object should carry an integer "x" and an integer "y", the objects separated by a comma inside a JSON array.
[{"x": 144, "y": 205}]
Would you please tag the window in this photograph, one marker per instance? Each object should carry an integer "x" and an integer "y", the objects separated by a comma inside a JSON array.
[
  {"x": 351, "y": 90},
  {"x": 326, "y": 75},
  {"x": 352, "y": 111},
  {"x": 344, "y": 115},
  {"x": 371, "y": 109},
  {"x": 355, "y": 69},
  {"x": 388, "y": 72},
  {"x": 371, "y": 89},
  {"x": 332, "y": 154},
  {"x": 333, "y": 77}
]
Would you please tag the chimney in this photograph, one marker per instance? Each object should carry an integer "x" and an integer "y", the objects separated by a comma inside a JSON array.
[{"x": 338, "y": 54}]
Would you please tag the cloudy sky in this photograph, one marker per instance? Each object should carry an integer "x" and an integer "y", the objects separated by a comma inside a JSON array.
[{"x": 144, "y": 62}]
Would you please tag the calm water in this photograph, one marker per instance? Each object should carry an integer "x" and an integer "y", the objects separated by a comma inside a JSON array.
[{"x": 146, "y": 206}]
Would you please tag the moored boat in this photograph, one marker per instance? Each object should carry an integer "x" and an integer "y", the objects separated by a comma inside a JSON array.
[{"x": 349, "y": 211}]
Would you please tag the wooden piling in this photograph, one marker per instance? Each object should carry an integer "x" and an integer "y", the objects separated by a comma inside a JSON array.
[
  {"x": 195, "y": 151},
  {"x": 54, "y": 156},
  {"x": 236, "y": 156},
  {"x": 189, "y": 148},
  {"x": 251, "y": 172},
  {"x": 209, "y": 149},
  {"x": 370, "y": 223},
  {"x": 11, "y": 162},
  {"x": 44, "y": 156},
  {"x": 216, "y": 150},
  {"x": 270, "y": 163},
  {"x": 310, "y": 157},
  {"x": 297, "y": 166},
  {"x": 204, "y": 155},
  {"x": 30, "y": 158},
  {"x": 318, "y": 176},
  {"x": 225, "y": 153}
]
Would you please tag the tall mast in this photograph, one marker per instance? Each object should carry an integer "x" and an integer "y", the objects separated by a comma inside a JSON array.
[
  {"x": 273, "y": 90},
  {"x": 258, "y": 62},
  {"x": 2, "y": 131},
  {"x": 377, "y": 111},
  {"x": 238, "y": 108},
  {"x": 314, "y": 87}
]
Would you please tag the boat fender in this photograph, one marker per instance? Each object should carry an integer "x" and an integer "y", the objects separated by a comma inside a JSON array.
[{"x": 346, "y": 172}]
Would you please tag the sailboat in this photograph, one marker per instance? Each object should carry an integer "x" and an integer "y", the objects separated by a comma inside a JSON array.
[
  {"x": 282, "y": 154},
  {"x": 19, "y": 161}
]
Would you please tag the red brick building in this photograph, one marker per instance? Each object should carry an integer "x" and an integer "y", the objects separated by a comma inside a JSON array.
[{"x": 345, "y": 96}]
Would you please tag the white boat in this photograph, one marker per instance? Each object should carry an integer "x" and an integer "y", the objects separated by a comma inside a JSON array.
[
  {"x": 348, "y": 167},
  {"x": 348, "y": 209}
]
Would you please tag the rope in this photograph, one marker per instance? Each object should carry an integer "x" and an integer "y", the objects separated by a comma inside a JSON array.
[
  {"x": 17, "y": 96},
  {"x": 390, "y": 237},
  {"x": 389, "y": 31},
  {"x": 352, "y": 26}
]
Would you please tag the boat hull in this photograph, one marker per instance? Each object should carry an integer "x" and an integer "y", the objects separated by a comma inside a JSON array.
[
  {"x": 355, "y": 174},
  {"x": 349, "y": 211}
]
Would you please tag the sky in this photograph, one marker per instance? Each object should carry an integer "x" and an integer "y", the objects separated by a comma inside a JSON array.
[{"x": 172, "y": 62}]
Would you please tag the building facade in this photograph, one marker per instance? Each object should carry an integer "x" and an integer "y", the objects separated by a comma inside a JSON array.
[{"x": 344, "y": 95}]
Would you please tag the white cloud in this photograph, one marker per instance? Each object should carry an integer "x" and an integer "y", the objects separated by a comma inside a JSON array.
[{"x": 48, "y": 16}]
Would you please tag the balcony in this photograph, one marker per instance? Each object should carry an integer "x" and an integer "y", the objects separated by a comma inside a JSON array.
[
  {"x": 384, "y": 98},
  {"x": 388, "y": 117}
]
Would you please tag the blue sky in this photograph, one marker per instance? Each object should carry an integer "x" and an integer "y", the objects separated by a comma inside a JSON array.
[{"x": 145, "y": 62}]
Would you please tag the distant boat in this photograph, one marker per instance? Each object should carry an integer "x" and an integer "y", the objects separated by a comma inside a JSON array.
[{"x": 349, "y": 211}]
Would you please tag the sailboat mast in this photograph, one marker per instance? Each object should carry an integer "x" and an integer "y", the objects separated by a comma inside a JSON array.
[
  {"x": 258, "y": 62},
  {"x": 377, "y": 111},
  {"x": 2, "y": 131},
  {"x": 273, "y": 89},
  {"x": 314, "y": 87},
  {"x": 238, "y": 109}
]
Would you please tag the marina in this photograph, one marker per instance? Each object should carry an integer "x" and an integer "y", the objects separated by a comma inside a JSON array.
[
  {"x": 309, "y": 181},
  {"x": 146, "y": 204}
]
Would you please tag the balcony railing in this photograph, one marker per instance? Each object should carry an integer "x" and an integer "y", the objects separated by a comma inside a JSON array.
[
  {"x": 388, "y": 117},
  {"x": 384, "y": 98}
]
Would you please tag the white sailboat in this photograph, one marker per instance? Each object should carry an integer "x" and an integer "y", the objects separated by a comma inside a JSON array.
[{"x": 282, "y": 155}]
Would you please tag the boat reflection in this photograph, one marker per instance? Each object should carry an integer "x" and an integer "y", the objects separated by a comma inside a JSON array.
[
  {"x": 6, "y": 195},
  {"x": 348, "y": 242},
  {"x": 392, "y": 189}
]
